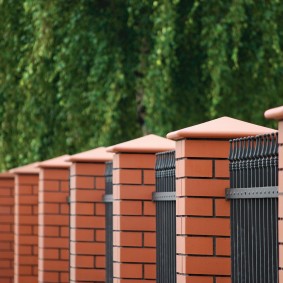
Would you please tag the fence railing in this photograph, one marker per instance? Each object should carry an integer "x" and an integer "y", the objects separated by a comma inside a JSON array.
[
  {"x": 108, "y": 199},
  {"x": 165, "y": 197},
  {"x": 254, "y": 207}
]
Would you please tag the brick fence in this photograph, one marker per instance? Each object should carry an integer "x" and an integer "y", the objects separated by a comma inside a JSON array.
[{"x": 52, "y": 213}]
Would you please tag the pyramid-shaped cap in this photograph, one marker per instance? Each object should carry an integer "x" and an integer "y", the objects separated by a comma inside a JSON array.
[
  {"x": 57, "y": 162},
  {"x": 224, "y": 127},
  {"x": 26, "y": 169},
  {"x": 6, "y": 175},
  {"x": 94, "y": 155},
  {"x": 274, "y": 113},
  {"x": 146, "y": 144}
]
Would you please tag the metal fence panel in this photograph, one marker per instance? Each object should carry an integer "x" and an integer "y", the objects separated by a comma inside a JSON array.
[
  {"x": 165, "y": 217},
  {"x": 108, "y": 199},
  {"x": 254, "y": 201}
]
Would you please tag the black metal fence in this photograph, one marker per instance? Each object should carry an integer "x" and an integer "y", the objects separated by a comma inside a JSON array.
[
  {"x": 108, "y": 199},
  {"x": 254, "y": 200},
  {"x": 165, "y": 197}
]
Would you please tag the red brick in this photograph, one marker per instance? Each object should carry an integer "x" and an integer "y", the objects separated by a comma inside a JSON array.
[
  {"x": 88, "y": 222},
  {"x": 145, "y": 255},
  {"x": 82, "y": 235},
  {"x": 195, "y": 206},
  {"x": 149, "y": 208},
  {"x": 86, "y": 195},
  {"x": 127, "y": 239},
  {"x": 100, "y": 261},
  {"x": 208, "y": 265},
  {"x": 55, "y": 174},
  {"x": 125, "y": 176},
  {"x": 150, "y": 271},
  {"x": 203, "y": 148},
  {"x": 129, "y": 192},
  {"x": 127, "y": 207},
  {"x": 193, "y": 168},
  {"x": 223, "y": 246},
  {"x": 134, "y": 223},
  {"x": 99, "y": 209},
  {"x": 207, "y": 226},
  {"x": 223, "y": 280},
  {"x": 82, "y": 261},
  {"x": 134, "y": 160},
  {"x": 222, "y": 169},
  {"x": 89, "y": 274},
  {"x": 204, "y": 187},
  {"x": 127, "y": 270},
  {"x": 222, "y": 207},
  {"x": 82, "y": 182},
  {"x": 92, "y": 169},
  {"x": 88, "y": 248},
  {"x": 149, "y": 177},
  {"x": 195, "y": 245}
]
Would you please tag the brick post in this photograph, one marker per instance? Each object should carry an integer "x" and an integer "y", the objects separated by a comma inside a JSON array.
[
  {"x": 277, "y": 114},
  {"x": 203, "y": 214},
  {"x": 87, "y": 249},
  {"x": 26, "y": 224},
  {"x": 6, "y": 228},
  {"x": 53, "y": 245},
  {"x": 134, "y": 226}
]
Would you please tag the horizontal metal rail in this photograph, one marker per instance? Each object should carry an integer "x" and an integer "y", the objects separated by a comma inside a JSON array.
[
  {"x": 164, "y": 196},
  {"x": 245, "y": 193}
]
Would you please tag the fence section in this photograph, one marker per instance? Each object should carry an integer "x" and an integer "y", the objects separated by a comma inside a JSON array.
[
  {"x": 108, "y": 198},
  {"x": 165, "y": 198},
  {"x": 254, "y": 200}
]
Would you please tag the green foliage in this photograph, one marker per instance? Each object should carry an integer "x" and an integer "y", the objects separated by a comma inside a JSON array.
[{"x": 79, "y": 74}]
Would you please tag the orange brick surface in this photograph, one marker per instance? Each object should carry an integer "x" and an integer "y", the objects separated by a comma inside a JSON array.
[
  {"x": 53, "y": 225},
  {"x": 26, "y": 228},
  {"x": 7, "y": 228},
  {"x": 134, "y": 222},
  {"x": 87, "y": 238},
  {"x": 203, "y": 223}
]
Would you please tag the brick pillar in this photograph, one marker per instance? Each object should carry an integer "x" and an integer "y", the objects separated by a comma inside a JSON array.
[
  {"x": 277, "y": 114},
  {"x": 87, "y": 249},
  {"x": 53, "y": 246},
  {"x": 6, "y": 228},
  {"x": 134, "y": 226},
  {"x": 203, "y": 214},
  {"x": 26, "y": 224}
]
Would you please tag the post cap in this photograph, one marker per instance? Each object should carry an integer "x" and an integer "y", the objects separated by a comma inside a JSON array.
[
  {"x": 274, "y": 113},
  {"x": 224, "y": 127},
  {"x": 6, "y": 175},
  {"x": 146, "y": 144},
  {"x": 94, "y": 155},
  {"x": 26, "y": 169},
  {"x": 57, "y": 162}
]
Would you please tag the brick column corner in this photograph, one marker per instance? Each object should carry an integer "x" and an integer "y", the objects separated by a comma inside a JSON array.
[
  {"x": 6, "y": 227},
  {"x": 203, "y": 214},
  {"x": 134, "y": 225},
  {"x": 53, "y": 210},
  {"x": 87, "y": 237},
  {"x": 26, "y": 224},
  {"x": 277, "y": 114}
]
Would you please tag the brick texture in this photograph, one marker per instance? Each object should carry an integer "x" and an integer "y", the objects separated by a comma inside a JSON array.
[
  {"x": 6, "y": 229},
  {"x": 87, "y": 236},
  {"x": 203, "y": 222},
  {"x": 26, "y": 228},
  {"x": 134, "y": 224},
  {"x": 53, "y": 264}
]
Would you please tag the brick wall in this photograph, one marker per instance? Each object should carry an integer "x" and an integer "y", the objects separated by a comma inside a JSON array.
[
  {"x": 6, "y": 228},
  {"x": 26, "y": 228},
  {"x": 53, "y": 264},
  {"x": 203, "y": 214},
  {"x": 87, "y": 222},
  {"x": 134, "y": 225}
]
